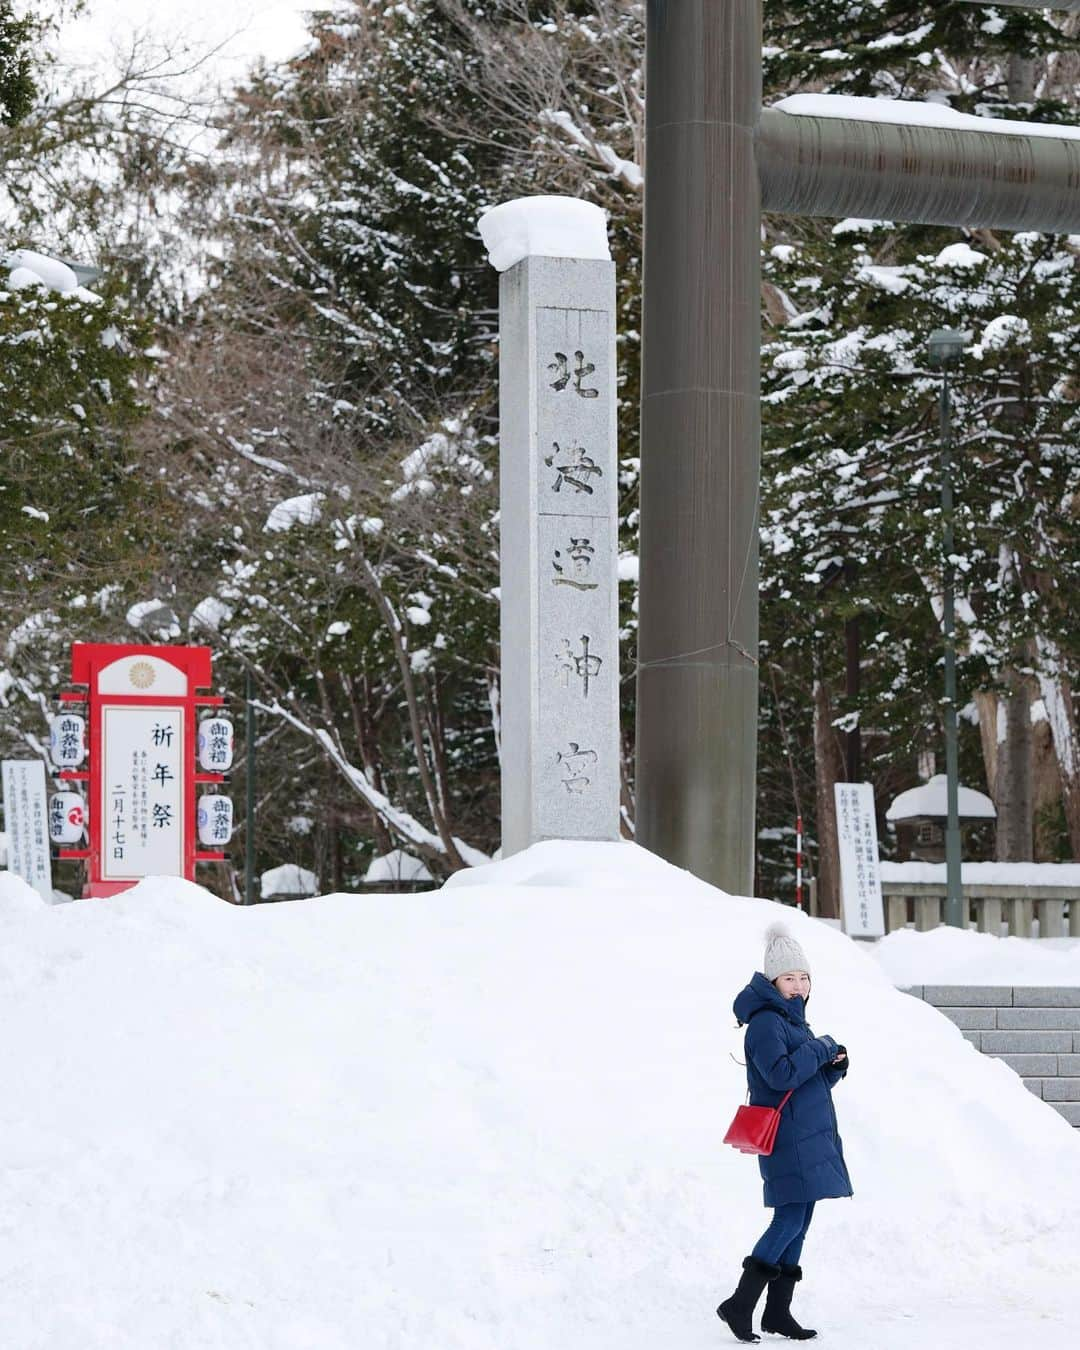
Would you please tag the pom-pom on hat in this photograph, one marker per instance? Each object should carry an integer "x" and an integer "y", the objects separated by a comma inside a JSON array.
[{"x": 782, "y": 953}]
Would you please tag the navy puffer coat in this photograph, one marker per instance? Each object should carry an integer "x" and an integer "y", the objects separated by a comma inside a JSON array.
[{"x": 807, "y": 1161}]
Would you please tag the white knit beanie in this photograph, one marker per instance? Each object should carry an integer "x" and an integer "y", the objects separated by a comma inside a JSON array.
[{"x": 782, "y": 953}]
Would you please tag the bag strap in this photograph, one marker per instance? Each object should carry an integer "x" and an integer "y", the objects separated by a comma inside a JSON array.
[{"x": 779, "y": 1108}]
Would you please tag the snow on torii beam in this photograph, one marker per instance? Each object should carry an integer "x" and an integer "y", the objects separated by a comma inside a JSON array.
[
  {"x": 711, "y": 153},
  {"x": 838, "y": 165}
]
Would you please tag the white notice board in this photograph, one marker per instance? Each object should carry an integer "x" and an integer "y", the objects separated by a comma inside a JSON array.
[
  {"x": 860, "y": 872},
  {"x": 26, "y": 821},
  {"x": 142, "y": 798}
]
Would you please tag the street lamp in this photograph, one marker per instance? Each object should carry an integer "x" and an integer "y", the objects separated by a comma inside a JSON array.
[{"x": 946, "y": 346}]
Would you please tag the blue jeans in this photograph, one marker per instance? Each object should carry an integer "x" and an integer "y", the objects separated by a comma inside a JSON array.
[{"x": 781, "y": 1243}]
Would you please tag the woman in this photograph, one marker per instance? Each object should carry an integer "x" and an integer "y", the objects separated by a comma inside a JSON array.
[{"x": 807, "y": 1161}]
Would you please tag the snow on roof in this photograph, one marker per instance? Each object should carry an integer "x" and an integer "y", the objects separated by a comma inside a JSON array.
[
  {"x": 909, "y": 113},
  {"x": 931, "y": 799},
  {"x": 288, "y": 879},
  {"x": 546, "y": 227},
  {"x": 397, "y": 865}
]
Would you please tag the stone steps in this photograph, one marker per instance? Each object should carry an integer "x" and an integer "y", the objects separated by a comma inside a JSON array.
[{"x": 1035, "y": 1030}]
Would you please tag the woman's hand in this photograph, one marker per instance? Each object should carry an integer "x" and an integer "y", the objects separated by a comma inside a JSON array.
[{"x": 841, "y": 1060}]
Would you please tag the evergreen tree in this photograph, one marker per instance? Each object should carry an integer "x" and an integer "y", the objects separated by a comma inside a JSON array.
[{"x": 17, "y": 87}]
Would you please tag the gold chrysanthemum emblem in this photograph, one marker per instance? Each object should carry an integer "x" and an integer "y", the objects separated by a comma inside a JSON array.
[{"x": 142, "y": 674}]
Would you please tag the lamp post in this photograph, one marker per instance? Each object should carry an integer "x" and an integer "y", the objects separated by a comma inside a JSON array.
[{"x": 946, "y": 346}]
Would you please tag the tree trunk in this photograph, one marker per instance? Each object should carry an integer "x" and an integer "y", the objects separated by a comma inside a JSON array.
[
  {"x": 1061, "y": 711},
  {"x": 1022, "y": 74},
  {"x": 987, "y": 703},
  {"x": 364, "y": 731},
  {"x": 1013, "y": 785},
  {"x": 827, "y": 771},
  {"x": 1047, "y": 791}
]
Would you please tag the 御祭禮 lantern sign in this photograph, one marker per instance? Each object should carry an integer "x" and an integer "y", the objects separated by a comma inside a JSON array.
[
  {"x": 215, "y": 744},
  {"x": 145, "y": 762},
  {"x": 215, "y": 819},
  {"x": 67, "y": 740}
]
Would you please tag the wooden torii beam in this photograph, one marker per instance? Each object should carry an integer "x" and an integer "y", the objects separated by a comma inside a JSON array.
[{"x": 714, "y": 158}]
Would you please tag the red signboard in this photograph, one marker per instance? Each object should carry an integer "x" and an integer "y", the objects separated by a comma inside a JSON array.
[{"x": 142, "y": 704}]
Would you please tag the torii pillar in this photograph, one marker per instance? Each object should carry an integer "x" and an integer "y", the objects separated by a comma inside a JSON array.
[{"x": 700, "y": 437}]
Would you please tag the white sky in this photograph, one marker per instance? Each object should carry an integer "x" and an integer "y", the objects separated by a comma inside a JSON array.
[{"x": 273, "y": 29}]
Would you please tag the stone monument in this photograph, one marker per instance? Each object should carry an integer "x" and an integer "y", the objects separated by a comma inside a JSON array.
[{"x": 558, "y": 521}]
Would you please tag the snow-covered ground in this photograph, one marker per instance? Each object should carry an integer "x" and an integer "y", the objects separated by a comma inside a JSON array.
[
  {"x": 952, "y": 956},
  {"x": 484, "y": 1118}
]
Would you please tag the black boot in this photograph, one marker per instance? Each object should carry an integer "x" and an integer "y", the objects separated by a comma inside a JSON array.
[
  {"x": 738, "y": 1310},
  {"x": 777, "y": 1316}
]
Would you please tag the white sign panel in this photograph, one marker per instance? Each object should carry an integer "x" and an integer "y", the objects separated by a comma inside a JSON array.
[
  {"x": 26, "y": 820},
  {"x": 142, "y": 827},
  {"x": 860, "y": 872}
]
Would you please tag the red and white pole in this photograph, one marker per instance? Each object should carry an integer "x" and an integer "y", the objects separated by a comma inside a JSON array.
[{"x": 798, "y": 862}]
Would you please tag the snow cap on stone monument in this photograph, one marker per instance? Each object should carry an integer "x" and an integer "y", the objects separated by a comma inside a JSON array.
[{"x": 545, "y": 227}]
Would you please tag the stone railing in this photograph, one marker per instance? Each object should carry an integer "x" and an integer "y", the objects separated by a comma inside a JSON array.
[
  {"x": 1057, "y": 908},
  {"x": 996, "y": 894},
  {"x": 1015, "y": 894}
]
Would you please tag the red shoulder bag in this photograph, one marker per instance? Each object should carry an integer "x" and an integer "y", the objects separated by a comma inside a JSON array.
[{"x": 754, "y": 1128}]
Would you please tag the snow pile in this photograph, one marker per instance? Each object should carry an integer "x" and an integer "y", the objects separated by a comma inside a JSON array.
[
  {"x": 1004, "y": 330},
  {"x": 27, "y": 268},
  {"x": 960, "y": 255},
  {"x": 210, "y": 612},
  {"x": 17, "y": 896},
  {"x": 304, "y": 510},
  {"x": 151, "y": 614},
  {"x": 548, "y": 227},
  {"x": 962, "y": 956},
  {"x": 485, "y": 1118}
]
